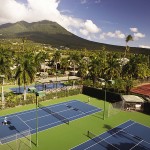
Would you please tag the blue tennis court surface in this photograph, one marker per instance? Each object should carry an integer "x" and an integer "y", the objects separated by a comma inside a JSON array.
[
  {"x": 39, "y": 87},
  {"x": 22, "y": 121},
  {"x": 127, "y": 136}
]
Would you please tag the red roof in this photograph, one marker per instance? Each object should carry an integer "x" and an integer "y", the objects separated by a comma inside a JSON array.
[{"x": 143, "y": 90}]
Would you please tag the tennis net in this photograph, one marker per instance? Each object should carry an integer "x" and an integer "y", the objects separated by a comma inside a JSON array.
[
  {"x": 94, "y": 137},
  {"x": 102, "y": 142},
  {"x": 58, "y": 116}
]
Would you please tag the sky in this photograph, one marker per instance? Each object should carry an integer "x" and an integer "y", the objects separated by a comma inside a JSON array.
[{"x": 103, "y": 21}]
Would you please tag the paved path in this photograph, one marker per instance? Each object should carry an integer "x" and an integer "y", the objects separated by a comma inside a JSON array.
[{"x": 53, "y": 79}]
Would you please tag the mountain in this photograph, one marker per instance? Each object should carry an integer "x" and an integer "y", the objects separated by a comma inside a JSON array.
[{"x": 52, "y": 33}]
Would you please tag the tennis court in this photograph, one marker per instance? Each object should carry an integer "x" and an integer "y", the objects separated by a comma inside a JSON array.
[
  {"x": 48, "y": 117},
  {"x": 39, "y": 87},
  {"x": 127, "y": 136}
]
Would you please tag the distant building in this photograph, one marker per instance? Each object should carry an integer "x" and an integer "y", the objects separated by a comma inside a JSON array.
[{"x": 133, "y": 102}]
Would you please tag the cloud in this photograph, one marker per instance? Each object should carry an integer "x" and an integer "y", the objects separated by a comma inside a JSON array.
[
  {"x": 89, "y": 30},
  {"x": 117, "y": 34},
  {"x": 144, "y": 46},
  {"x": 11, "y": 11},
  {"x": 103, "y": 36},
  {"x": 91, "y": 27},
  {"x": 83, "y": 1},
  {"x": 134, "y": 29},
  {"x": 138, "y": 35},
  {"x": 36, "y": 10},
  {"x": 84, "y": 32},
  {"x": 97, "y": 1}
]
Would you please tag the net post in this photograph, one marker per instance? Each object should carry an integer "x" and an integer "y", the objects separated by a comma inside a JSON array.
[{"x": 88, "y": 133}]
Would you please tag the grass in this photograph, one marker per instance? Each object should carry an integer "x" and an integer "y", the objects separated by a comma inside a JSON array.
[{"x": 65, "y": 136}]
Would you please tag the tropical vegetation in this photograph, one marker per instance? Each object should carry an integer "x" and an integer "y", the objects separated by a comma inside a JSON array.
[{"x": 21, "y": 62}]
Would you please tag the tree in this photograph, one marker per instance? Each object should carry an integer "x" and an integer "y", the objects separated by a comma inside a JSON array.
[
  {"x": 56, "y": 58},
  {"x": 75, "y": 58},
  {"x": 113, "y": 67},
  {"x": 40, "y": 58},
  {"x": 128, "y": 38},
  {"x": 137, "y": 67},
  {"x": 94, "y": 69},
  {"x": 64, "y": 63},
  {"x": 5, "y": 62},
  {"x": 26, "y": 71},
  {"x": 83, "y": 69}
]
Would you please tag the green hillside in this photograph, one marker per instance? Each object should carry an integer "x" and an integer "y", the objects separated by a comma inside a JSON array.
[{"x": 48, "y": 32}]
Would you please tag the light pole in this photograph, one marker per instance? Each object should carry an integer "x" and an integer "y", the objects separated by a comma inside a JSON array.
[
  {"x": 40, "y": 94},
  {"x": 3, "y": 98},
  {"x": 36, "y": 94},
  {"x": 104, "y": 101}
]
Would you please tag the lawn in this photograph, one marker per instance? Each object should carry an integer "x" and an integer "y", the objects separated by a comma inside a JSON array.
[{"x": 65, "y": 136}]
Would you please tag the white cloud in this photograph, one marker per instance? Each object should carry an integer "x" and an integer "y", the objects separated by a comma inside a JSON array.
[
  {"x": 36, "y": 10},
  {"x": 11, "y": 11},
  {"x": 117, "y": 34},
  {"x": 84, "y": 32},
  {"x": 103, "y": 36},
  {"x": 144, "y": 46},
  {"x": 138, "y": 35},
  {"x": 97, "y": 1},
  {"x": 134, "y": 29},
  {"x": 83, "y": 1},
  {"x": 91, "y": 27},
  {"x": 89, "y": 30}
]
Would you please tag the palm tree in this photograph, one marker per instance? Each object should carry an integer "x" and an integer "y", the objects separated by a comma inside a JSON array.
[
  {"x": 75, "y": 58},
  {"x": 94, "y": 69},
  {"x": 5, "y": 62},
  {"x": 113, "y": 68},
  {"x": 56, "y": 58},
  {"x": 64, "y": 63},
  {"x": 128, "y": 38},
  {"x": 40, "y": 58},
  {"x": 83, "y": 69},
  {"x": 137, "y": 67},
  {"x": 26, "y": 70}
]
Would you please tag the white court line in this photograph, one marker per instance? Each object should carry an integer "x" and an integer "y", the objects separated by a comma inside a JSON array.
[
  {"x": 49, "y": 124},
  {"x": 23, "y": 122},
  {"x": 142, "y": 125},
  {"x": 62, "y": 111},
  {"x": 10, "y": 136},
  {"x": 32, "y": 110},
  {"x": 136, "y": 145},
  {"x": 134, "y": 136},
  {"x": 28, "y": 111},
  {"x": 100, "y": 134},
  {"x": 109, "y": 136},
  {"x": 62, "y": 122},
  {"x": 48, "y": 114},
  {"x": 56, "y": 118}
]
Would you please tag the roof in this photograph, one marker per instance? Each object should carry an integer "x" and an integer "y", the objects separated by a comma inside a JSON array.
[
  {"x": 143, "y": 90},
  {"x": 133, "y": 99}
]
